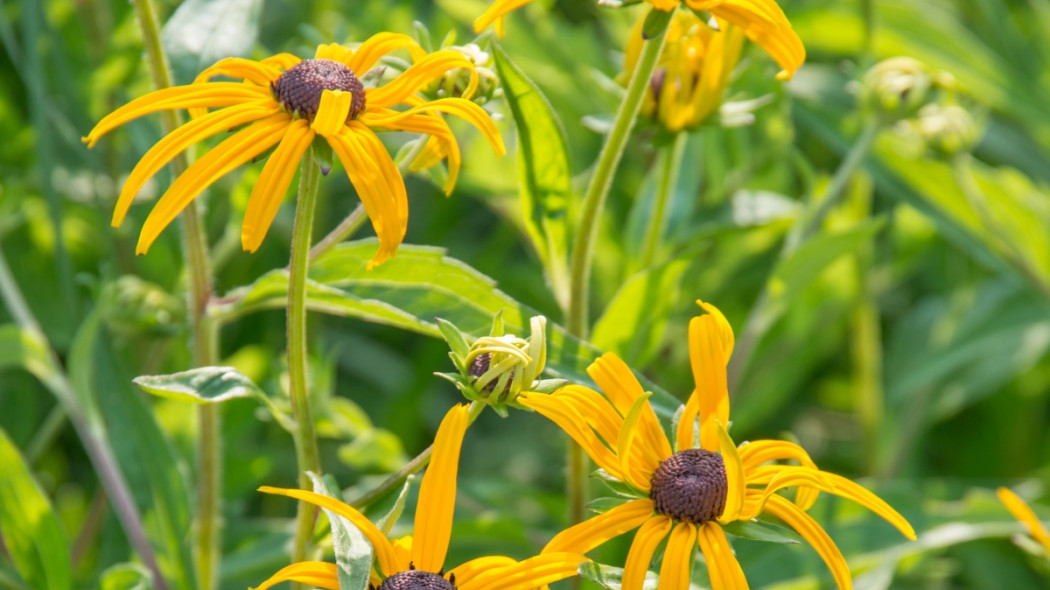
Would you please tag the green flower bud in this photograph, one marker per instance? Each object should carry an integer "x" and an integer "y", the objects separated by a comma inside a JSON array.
[
  {"x": 896, "y": 88},
  {"x": 131, "y": 305}
]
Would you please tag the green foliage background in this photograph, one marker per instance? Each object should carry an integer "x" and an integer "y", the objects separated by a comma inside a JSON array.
[{"x": 908, "y": 343}]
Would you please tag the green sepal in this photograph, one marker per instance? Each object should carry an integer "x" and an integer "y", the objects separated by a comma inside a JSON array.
[
  {"x": 323, "y": 156},
  {"x": 457, "y": 341},
  {"x": 605, "y": 504},
  {"x": 618, "y": 487},
  {"x": 548, "y": 385},
  {"x": 497, "y": 324},
  {"x": 656, "y": 23}
]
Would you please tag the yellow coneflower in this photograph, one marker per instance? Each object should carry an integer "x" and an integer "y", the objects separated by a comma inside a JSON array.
[
  {"x": 685, "y": 494},
  {"x": 1023, "y": 513},
  {"x": 419, "y": 562},
  {"x": 762, "y": 21},
  {"x": 287, "y": 102},
  {"x": 692, "y": 73}
]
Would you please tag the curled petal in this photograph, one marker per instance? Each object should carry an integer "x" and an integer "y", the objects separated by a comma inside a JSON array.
[
  {"x": 368, "y": 53},
  {"x": 313, "y": 573},
  {"x": 758, "y": 452},
  {"x": 815, "y": 535},
  {"x": 332, "y": 112},
  {"x": 495, "y": 13},
  {"x": 418, "y": 76},
  {"x": 561, "y": 412},
  {"x": 528, "y": 574},
  {"x": 464, "y": 109},
  {"x": 259, "y": 73}
]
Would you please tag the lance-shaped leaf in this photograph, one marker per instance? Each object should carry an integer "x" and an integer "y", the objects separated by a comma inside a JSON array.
[{"x": 353, "y": 552}]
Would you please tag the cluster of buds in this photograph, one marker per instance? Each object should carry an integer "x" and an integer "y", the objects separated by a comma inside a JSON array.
[
  {"x": 455, "y": 82},
  {"x": 497, "y": 367}
]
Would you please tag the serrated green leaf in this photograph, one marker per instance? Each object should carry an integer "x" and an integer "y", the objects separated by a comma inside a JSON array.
[
  {"x": 203, "y": 385},
  {"x": 201, "y": 32},
  {"x": 762, "y": 531},
  {"x": 125, "y": 576},
  {"x": 31, "y": 531},
  {"x": 544, "y": 178},
  {"x": 353, "y": 552}
]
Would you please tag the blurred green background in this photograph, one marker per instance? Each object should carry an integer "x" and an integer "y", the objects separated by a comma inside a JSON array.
[{"x": 907, "y": 344}]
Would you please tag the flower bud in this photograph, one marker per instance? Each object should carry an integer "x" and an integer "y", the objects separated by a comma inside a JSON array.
[
  {"x": 896, "y": 88},
  {"x": 947, "y": 130},
  {"x": 455, "y": 82},
  {"x": 131, "y": 305}
]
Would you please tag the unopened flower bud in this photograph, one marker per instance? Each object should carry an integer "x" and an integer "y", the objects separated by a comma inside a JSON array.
[
  {"x": 131, "y": 305},
  {"x": 456, "y": 82},
  {"x": 947, "y": 129},
  {"x": 896, "y": 88}
]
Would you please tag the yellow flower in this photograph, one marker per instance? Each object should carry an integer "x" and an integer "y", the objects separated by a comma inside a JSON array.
[
  {"x": 1023, "y": 513},
  {"x": 692, "y": 73},
  {"x": 287, "y": 102},
  {"x": 761, "y": 20},
  {"x": 685, "y": 493},
  {"x": 419, "y": 562}
]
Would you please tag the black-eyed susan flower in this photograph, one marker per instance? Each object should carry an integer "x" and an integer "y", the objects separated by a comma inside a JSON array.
[
  {"x": 692, "y": 73},
  {"x": 1023, "y": 513},
  {"x": 762, "y": 21},
  {"x": 687, "y": 492},
  {"x": 419, "y": 561},
  {"x": 287, "y": 102}
]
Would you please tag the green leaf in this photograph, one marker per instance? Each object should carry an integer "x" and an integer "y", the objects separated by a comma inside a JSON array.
[
  {"x": 611, "y": 577},
  {"x": 201, "y": 32},
  {"x": 601, "y": 505},
  {"x": 31, "y": 531},
  {"x": 20, "y": 348},
  {"x": 353, "y": 552},
  {"x": 762, "y": 531},
  {"x": 543, "y": 170},
  {"x": 204, "y": 385},
  {"x": 617, "y": 486},
  {"x": 126, "y": 576}
]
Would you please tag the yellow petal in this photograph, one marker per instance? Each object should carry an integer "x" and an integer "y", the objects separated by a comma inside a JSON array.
[
  {"x": 678, "y": 556},
  {"x": 379, "y": 185},
  {"x": 334, "y": 52},
  {"x": 725, "y": 331},
  {"x": 368, "y": 53},
  {"x": 764, "y": 23},
  {"x": 282, "y": 61},
  {"x": 468, "y": 572},
  {"x": 646, "y": 540},
  {"x": 637, "y": 465},
  {"x": 313, "y": 573},
  {"x": 685, "y": 438},
  {"x": 561, "y": 412},
  {"x": 223, "y": 158},
  {"x": 594, "y": 408},
  {"x": 464, "y": 109},
  {"x": 735, "y": 479},
  {"x": 259, "y": 73},
  {"x": 758, "y": 452},
  {"x": 1023, "y": 513},
  {"x": 437, "y": 493},
  {"x": 178, "y": 140},
  {"x": 622, "y": 388},
  {"x": 442, "y": 143},
  {"x": 210, "y": 95},
  {"x": 840, "y": 486},
  {"x": 587, "y": 535},
  {"x": 388, "y": 563},
  {"x": 528, "y": 574},
  {"x": 332, "y": 113},
  {"x": 815, "y": 535},
  {"x": 495, "y": 12},
  {"x": 417, "y": 77},
  {"x": 707, "y": 358},
  {"x": 272, "y": 185},
  {"x": 722, "y": 566}
]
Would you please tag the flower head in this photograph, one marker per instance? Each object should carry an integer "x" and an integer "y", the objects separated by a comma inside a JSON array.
[
  {"x": 287, "y": 102},
  {"x": 761, "y": 20},
  {"x": 1023, "y": 513},
  {"x": 685, "y": 492},
  {"x": 419, "y": 561},
  {"x": 693, "y": 70}
]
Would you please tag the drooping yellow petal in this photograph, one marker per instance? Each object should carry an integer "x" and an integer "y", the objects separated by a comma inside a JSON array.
[
  {"x": 595, "y": 409},
  {"x": 646, "y": 540},
  {"x": 313, "y": 573},
  {"x": 678, "y": 556},
  {"x": 637, "y": 464},
  {"x": 707, "y": 357},
  {"x": 495, "y": 12},
  {"x": 764, "y": 23},
  {"x": 437, "y": 494},
  {"x": 735, "y": 479},
  {"x": 379, "y": 185},
  {"x": 178, "y": 140},
  {"x": 210, "y": 95},
  {"x": 368, "y": 53},
  {"x": 664, "y": 5},
  {"x": 840, "y": 486},
  {"x": 758, "y": 452},
  {"x": 1023, "y": 513},
  {"x": 260, "y": 73},
  {"x": 282, "y": 61},
  {"x": 384, "y": 552},
  {"x": 622, "y": 388},
  {"x": 464, "y": 109},
  {"x": 442, "y": 142},
  {"x": 223, "y": 158},
  {"x": 587, "y": 535},
  {"x": 465, "y": 573},
  {"x": 815, "y": 535},
  {"x": 272, "y": 185},
  {"x": 528, "y": 574},
  {"x": 561, "y": 412},
  {"x": 722, "y": 566},
  {"x": 725, "y": 331},
  {"x": 417, "y": 77},
  {"x": 332, "y": 112}
]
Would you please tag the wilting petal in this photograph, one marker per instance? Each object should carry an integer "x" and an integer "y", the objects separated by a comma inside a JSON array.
[
  {"x": 562, "y": 412},
  {"x": 312, "y": 573},
  {"x": 210, "y": 95},
  {"x": 722, "y": 566},
  {"x": 815, "y": 535},
  {"x": 272, "y": 185},
  {"x": 385, "y": 555},
  {"x": 437, "y": 494},
  {"x": 418, "y": 77},
  {"x": 368, "y": 53},
  {"x": 231, "y": 153},
  {"x": 587, "y": 535},
  {"x": 531, "y": 573},
  {"x": 646, "y": 540},
  {"x": 178, "y": 140},
  {"x": 1023, "y": 513},
  {"x": 678, "y": 556}
]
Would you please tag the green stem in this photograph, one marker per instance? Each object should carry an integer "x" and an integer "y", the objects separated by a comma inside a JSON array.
[
  {"x": 867, "y": 8},
  {"x": 306, "y": 451},
  {"x": 205, "y": 332},
  {"x": 670, "y": 166},
  {"x": 598, "y": 189},
  {"x": 808, "y": 221}
]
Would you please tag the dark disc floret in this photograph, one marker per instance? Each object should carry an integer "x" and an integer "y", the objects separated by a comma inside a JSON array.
[
  {"x": 300, "y": 87},
  {"x": 417, "y": 580},
  {"x": 690, "y": 486}
]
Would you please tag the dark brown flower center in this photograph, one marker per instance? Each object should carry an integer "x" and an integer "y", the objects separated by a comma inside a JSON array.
[
  {"x": 299, "y": 88},
  {"x": 418, "y": 580},
  {"x": 690, "y": 486}
]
